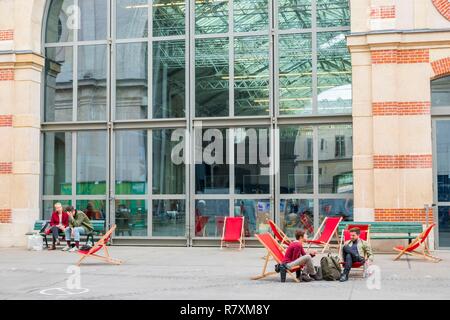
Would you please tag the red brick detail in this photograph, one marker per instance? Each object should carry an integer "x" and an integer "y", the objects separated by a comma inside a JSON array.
[
  {"x": 6, "y": 74},
  {"x": 402, "y": 161},
  {"x": 400, "y": 108},
  {"x": 401, "y": 56},
  {"x": 441, "y": 67},
  {"x": 6, "y": 120},
  {"x": 5, "y": 216},
  {"x": 6, "y": 34},
  {"x": 408, "y": 214},
  {"x": 443, "y": 6},
  {"x": 382, "y": 12},
  {"x": 5, "y": 167}
]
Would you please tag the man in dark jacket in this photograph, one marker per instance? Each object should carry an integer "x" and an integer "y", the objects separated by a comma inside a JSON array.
[{"x": 79, "y": 224}]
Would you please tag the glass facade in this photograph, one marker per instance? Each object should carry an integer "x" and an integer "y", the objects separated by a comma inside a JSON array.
[{"x": 256, "y": 94}]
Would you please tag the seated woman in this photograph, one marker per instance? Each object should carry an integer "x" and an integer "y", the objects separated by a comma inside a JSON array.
[{"x": 58, "y": 222}]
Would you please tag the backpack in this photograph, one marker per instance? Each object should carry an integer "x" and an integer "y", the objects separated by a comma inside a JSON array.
[{"x": 331, "y": 268}]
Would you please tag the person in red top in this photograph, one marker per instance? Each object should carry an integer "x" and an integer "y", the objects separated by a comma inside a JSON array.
[
  {"x": 58, "y": 222},
  {"x": 296, "y": 256}
]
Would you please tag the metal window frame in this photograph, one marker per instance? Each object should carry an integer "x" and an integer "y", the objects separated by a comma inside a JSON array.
[{"x": 273, "y": 120}]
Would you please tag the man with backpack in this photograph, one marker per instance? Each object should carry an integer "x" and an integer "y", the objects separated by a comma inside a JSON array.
[
  {"x": 354, "y": 250},
  {"x": 296, "y": 256}
]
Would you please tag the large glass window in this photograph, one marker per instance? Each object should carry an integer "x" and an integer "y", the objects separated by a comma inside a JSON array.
[
  {"x": 131, "y": 19},
  {"x": 169, "y": 218},
  {"x": 58, "y": 21},
  {"x": 440, "y": 92},
  {"x": 58, "y": 163}
]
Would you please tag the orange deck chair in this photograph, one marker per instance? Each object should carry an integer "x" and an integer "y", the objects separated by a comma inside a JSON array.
[
  {"x": 327, "y": 229},
  {"x": 278, "y": 234},
  {"x": 418, "y": 247},
  {"x": 275, "y": 251},
  {"x": 233, "y": 232},
  {"x": 364, "y": 235},
  {"x": 100, "y": 244}
]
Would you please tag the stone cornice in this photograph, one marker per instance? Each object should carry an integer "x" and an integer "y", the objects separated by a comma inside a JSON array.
[{"x": 21, "y": 60}]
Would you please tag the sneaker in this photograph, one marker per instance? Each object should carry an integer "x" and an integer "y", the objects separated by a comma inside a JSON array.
[
  {"x": 66, "y": 248},
  {"x": 74, "y": 249},
  {"x": 344, "y": 277},
  {"x": 306, "y": 278}
]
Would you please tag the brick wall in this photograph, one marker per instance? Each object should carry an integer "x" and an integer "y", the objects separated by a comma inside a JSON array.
[
  {"x": 6, "y": 74},
  {"x": 5, "y": 167},
  {"x": 394, "y": 108},
  {"x": 382, "y": 12},
  {"x": 408, "y": 214},
  {"x": 443, "y": 6},
  {"x": 6, "y": 120},
  {"x": 6, "y": 35},
  {"x": 5, "y": 216},
  {"x": 441, "y": 67},
  {"x": 400, "y": 56},
  {"x": 402, "y": 161}
]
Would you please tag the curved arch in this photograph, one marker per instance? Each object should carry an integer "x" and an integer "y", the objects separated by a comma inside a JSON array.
[
  {"x": 443, "y": 6},
  {"x": 441, "y": 67}
]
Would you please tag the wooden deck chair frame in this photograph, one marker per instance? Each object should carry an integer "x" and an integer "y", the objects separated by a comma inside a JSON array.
[
  {"x": 326, "y": 245},
  {"x": 420, "y": 240},
  {"x": 264, "y": 272},
  {"x": 92, "y": 253},
  {"x": 363, "y": 268},
  {"x": 241, "y": 240},
  {"x": 285, "y": 241}
]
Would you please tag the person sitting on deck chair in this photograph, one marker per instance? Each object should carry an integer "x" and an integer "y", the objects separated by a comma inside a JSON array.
[
  {"x": 58, "y": 222},
  {"x": 79, "y": 224},
  {"x": 296, "y": 256},
  {"x": 354, "y": 250}
]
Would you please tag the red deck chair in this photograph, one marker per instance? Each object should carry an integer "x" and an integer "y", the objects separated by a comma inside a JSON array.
[
  {"x": 100, "y": 244},
  {"x": 364, "y": 235},
  {"x": 233, "y": 232},
  {"x": 327, "y": 229},
  {"x": 419, "y": 242},
  {"x": 278, "y": 234},
  {"x": 275, "y": 251},
  {"x": 200, "y": 225}
]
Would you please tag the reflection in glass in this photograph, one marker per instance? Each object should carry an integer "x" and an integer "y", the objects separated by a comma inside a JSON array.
[
  {"x": 251, "y": 76},
  {"x": 252, "y": 162},
  {"x": 58, "y": 84},
  {"x": 297, "y": 214},
  {"x": 211, "y": 16},
  {"x": 131, "y": 218},
  {"x": 168, "y": 175},
  {"x": 92, "y": 83},
  {"x": 57, "y": 163},
  {"x": 250, "y": 15},
  {"x": 58, "y": 21},
  {"x": 335, "y": 159},
  {"x": 255, "y": 213},
  {"x": 295, "y": 74},
  {"x": 336, "y": 208},
  {"x": 131, "y": 19},
  {"x": 94, "y": 22},
  {"x": 333, "y": 13},
  {"x": 91, "y": 162},
  {"x": 294, "y": 14},
  {"x": 212, "y": 170},
  {"x": 211, "y": 77},
  {"x": 168, "y": 17},
  {"x": 443, "y": 160},
  {"x": 444, "y": 226},
  {"x": 131, "y": 162},
  {"x": 169, "y": 79},
  {"x": 209, "y": 217},
  {"x": 334, "y": 75},
  {"x": 169, "y": 218},
  {"x": 296, "y": 159},
  {"x": 440, "y": 92},
  {"x": 131, "y": 81},
  {"x": 94, "y": 209},
  {"x": 48, "y": 207}
]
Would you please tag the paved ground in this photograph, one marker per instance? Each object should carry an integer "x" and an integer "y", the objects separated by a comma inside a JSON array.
[{"x": 205, "y": 273}]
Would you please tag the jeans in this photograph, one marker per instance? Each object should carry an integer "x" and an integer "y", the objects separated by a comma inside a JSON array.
[
  {"x": 350, "y": 257},
  {"x": 55, "y": 233},
  {"x": 303, "y": 261},
  {"x": 77, "y": 231}
]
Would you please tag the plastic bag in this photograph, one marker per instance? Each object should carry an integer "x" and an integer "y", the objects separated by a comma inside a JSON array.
[{"x": 35, "y": 242}]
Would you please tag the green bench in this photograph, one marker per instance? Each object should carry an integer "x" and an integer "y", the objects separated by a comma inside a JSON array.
[
  {"x": 381, "y": 230},
  {"x": 98, "y": 225}
]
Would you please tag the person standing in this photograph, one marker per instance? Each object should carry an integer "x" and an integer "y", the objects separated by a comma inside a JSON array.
[{"x": 79, "y": 224}]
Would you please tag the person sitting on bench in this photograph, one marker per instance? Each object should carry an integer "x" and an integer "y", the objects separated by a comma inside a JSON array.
[
  {"x": 354, "y": 250},
  {"x": 79, "y": 224},
  {"x": 58, "y": 222},
  {"x": 296, "y": 256}
]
